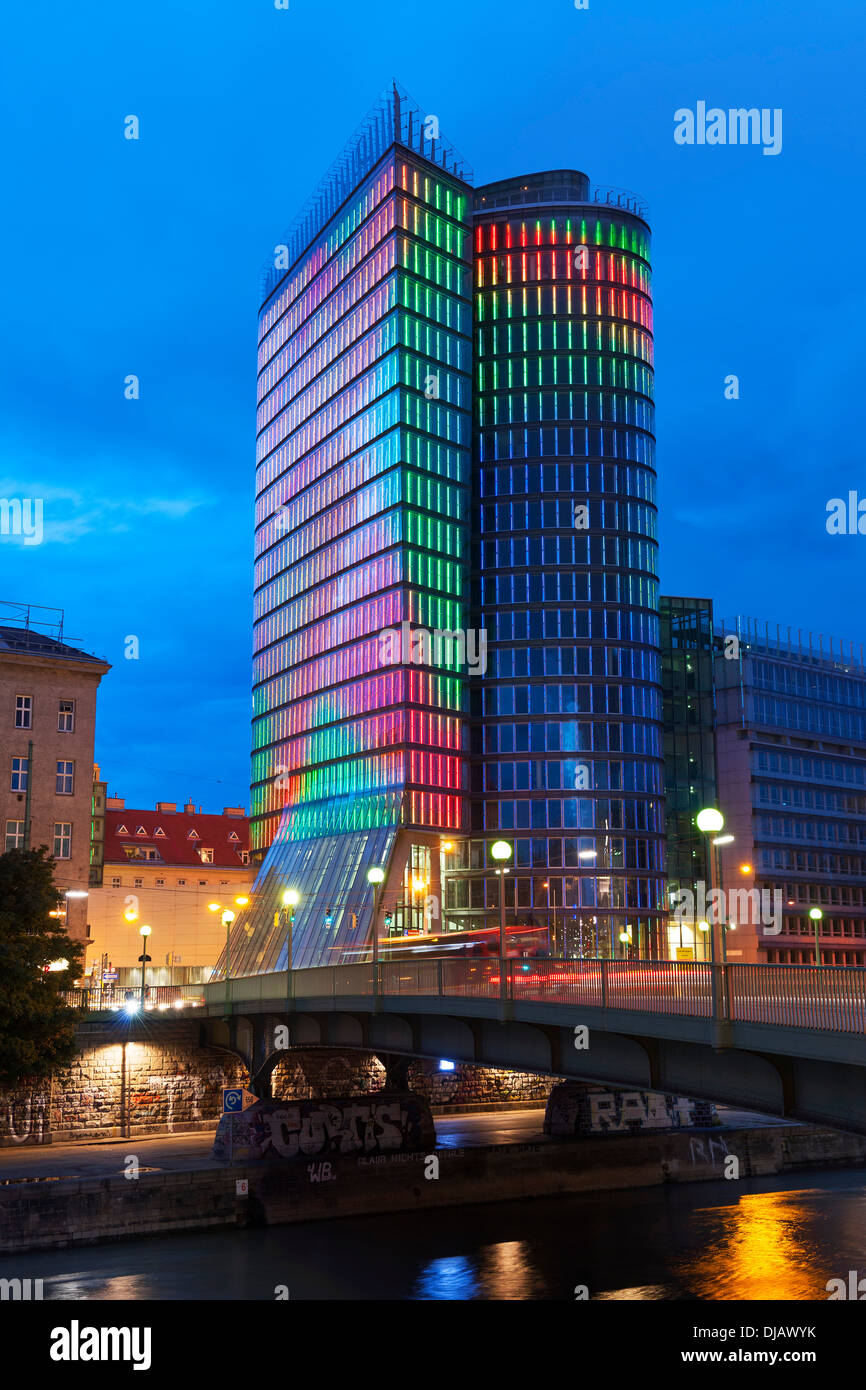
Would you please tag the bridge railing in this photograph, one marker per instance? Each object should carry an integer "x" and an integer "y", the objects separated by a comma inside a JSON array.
[
  {"x": 673, "y": 987},
  {"x": 831, "y": 997},
  {"x": 828, "y": 998}
]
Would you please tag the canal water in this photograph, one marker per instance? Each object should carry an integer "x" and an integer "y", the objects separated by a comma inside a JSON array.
[{"x": 775, "y": 1238}]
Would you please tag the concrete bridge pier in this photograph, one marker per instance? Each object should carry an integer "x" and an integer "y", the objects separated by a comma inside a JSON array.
[{"x": 396, "y": 1066}]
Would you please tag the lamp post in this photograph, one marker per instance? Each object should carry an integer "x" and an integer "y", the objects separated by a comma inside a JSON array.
[
  {"x": 718, "y": 842},
  {"x": 227, "y": 918},
  {"x": 712, "y": 822},
  {"x": 816, "y": 915},
  {"x": 144, "y": 933},
  {"x": 290, "y": 902},
  {"x": 501, "y": 851},
  {"x": 551, "y": 914},
  {"x": 376, "y": 877}
]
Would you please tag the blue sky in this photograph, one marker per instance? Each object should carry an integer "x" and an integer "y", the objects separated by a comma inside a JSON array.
[{"x": 144, "y": 257}]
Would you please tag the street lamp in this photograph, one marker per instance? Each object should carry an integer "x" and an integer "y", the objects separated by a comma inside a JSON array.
[
  {"x": 816, "y": 914},
  {"x": 712, "y": 822},
  {"x": 501, "y": 851},
  {"x": 376, "y": 877},
  {"x": 227, "y": 918},
  {"x": 290, "y": 902},
  {"x": 144, "y": 933}
]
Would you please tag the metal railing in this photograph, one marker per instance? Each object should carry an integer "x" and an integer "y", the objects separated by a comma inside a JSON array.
[
  {"x": 828, "y": 998},
  {"x": 158, "y": 997}
]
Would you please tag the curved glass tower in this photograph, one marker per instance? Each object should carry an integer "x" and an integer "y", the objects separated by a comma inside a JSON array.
[{"x": 566, "y": 724}]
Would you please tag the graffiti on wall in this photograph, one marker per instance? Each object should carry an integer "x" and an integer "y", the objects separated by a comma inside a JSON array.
[
  {"x": 24, "y": 1119},
  {"x": 375, "y": 1124},
  {"x": 580, "y": 1109},
  {"x": 180, "y": 1099}
]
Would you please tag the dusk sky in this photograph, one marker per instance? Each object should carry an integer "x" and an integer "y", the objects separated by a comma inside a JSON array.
[{"x": 144, "y": 257}]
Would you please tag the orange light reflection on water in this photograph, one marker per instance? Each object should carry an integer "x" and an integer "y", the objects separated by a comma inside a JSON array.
[{"x": 760, "y": 1247}]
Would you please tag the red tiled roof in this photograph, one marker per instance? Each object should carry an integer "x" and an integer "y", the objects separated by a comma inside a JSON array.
[{"x": 174, "y": 846}]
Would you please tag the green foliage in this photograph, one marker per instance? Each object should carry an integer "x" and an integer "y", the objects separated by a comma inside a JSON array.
[{"x": 37, "y": 1030}]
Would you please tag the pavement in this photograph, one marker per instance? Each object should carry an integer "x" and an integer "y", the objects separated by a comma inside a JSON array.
[{"x": 179, "y": 1152}]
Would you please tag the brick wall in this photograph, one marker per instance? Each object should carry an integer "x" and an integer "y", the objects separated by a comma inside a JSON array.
[
  {"x": 318, "y": 1072},
  {"x": 122, "y": 1083}
]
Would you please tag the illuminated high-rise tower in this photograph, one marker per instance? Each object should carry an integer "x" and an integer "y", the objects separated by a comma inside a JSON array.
[
  {"x": 362, "y": 497},
  {"x": 470, "y": 462},
  {"x": 567, "y": 758}
]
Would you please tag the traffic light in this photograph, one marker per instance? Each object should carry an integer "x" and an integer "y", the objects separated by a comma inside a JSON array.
[{"x": 354, "y": 921}]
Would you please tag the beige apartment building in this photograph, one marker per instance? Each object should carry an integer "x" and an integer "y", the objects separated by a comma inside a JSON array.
[
  {"x": 163, "y": 869},
  {"x": 47, "y": 728}
]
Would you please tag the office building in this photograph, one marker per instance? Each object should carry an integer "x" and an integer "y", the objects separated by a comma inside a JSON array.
[{"x": 456, "y": 623}]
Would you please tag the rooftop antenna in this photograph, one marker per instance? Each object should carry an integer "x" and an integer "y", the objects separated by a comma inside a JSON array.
[{"x": 398, "y": 119}]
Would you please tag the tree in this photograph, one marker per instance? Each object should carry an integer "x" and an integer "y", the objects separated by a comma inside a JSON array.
[{"x": 37, "y": 1029}]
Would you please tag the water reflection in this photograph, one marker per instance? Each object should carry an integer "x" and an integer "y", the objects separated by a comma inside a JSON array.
[
  {"x": 452, "y": 1278},
  {"x": 768, "y": 1245},
  {"x": 761, "y": 1238}
]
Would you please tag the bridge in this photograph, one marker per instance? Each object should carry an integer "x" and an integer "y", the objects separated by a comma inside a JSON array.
[{"x": 786, "y": 1040}]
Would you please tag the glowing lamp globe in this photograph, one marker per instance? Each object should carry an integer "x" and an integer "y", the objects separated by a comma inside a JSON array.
[
  {"x": 710, "y": 821},
  {"x": 500, "y": 850}
]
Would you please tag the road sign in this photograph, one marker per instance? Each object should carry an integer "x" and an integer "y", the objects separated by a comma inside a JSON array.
[
  {"x": 237, "y": 1099},
  {"x": 109, "y": 975}
]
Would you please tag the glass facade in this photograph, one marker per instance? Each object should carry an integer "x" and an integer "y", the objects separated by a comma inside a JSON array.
[
  {"x": 688, "y": 704},
  {"x": 566, "y": 748},
  {"x": 792, "y": 785},
  {"x": 363, "y": 461},
  {"x": 455, "y": 441}
]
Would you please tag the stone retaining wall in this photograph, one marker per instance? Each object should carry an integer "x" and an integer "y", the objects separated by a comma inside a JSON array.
[
  {"x": 123, "y": 1083},
  {"x": 39, "y": 1216},
  {"x": 316, "y": 1073}
]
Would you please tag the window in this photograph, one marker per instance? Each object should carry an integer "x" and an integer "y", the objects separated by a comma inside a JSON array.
[
  {"x": 138, "y": 883},
  {"x": 23, "y": 711},
  {"x": 160, "y": 883},
  {"x": 244, "y": 856},
  {"x": 202, "y": 883},
  {"x": 206, "y": 856},
  {"x": 115, "y": 882},
  {"x": 19, "y": 774},
  {"x": 14, "y": 834},
  {"x": 66, "y": 716},
  {"x": 181, "y": 883},
  {"x": 62, "y": 839},
  {"x": 65, "y": 773}
]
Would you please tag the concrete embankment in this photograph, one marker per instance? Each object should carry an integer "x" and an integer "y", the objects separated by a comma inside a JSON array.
[{"x": 53, "y": 1214}]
